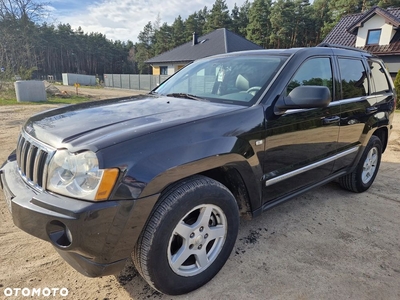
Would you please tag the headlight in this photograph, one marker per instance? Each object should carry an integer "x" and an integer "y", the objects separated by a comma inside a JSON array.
[{"x": 79, "y": 176}]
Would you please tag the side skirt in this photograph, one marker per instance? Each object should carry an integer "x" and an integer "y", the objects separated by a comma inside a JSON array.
[{"x": 296, "y": 193}]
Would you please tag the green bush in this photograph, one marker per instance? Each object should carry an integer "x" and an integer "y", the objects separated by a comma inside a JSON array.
[{"x": 397, "y": 87}]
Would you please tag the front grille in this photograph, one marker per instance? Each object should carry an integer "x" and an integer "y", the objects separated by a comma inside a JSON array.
[{"x": 33, "y": 159}]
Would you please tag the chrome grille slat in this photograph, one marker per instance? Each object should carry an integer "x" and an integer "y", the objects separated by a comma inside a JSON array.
[
  {"x": 46, "y": 162},
  {"x": 38, "y": 171},
  {"x": 33, "y": 158},
  {"x": 19, "y": 148},
  {"x": 29, "y": 161},
  {"x": 24, "y": 152}
]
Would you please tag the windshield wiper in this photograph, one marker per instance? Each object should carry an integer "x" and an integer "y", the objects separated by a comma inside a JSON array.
[{"x": 186, "y": 96}]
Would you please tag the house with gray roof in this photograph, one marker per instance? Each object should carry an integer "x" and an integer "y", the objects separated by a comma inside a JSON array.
[
  {"x": 217, "y": 42},
  {"x": 376, "y": 31}
]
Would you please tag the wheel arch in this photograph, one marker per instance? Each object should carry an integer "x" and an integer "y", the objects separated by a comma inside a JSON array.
[
  {"x": 231, "y": 170},
  {"x": 231, "y": 178},
  {"x": 382, "y": 133}
]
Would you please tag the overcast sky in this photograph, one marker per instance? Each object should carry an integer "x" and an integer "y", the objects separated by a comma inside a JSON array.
[{"x": 124, "y": 19}]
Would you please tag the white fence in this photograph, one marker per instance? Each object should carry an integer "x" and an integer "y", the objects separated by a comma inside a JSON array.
[{"x": 133, "y": 81}]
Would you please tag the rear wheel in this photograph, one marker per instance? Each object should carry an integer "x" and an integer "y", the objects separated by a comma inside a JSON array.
[
  {"x": 364, "y": 175},
  {"x": 188, "y": 237}
]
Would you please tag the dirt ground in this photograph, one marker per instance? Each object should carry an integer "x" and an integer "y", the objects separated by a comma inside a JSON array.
[
  {"x": 99, "y": 93},
  {"x": 325, "y": 244}
]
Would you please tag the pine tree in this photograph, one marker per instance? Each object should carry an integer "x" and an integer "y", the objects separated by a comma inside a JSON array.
[
  {"x": 144, "y": 49},
  {"x": 178, "y": 32},
  {"x": 218, "y": 16},
  {"x": 389, "y": 3},
  {"x": 235, "y": 19},
  {"x": 203, "y": 16},
  {"x": 193, "y": 24},
  {"x": 163, "y": 39},
  {"x": 303, "y": 34},
  {"x": 282, "y": 16},
  {"x": 321, "y": 15},
  {"x": 340, "y": 8},
  {"x": 240, "y": 18},
  {"x": 258, "y": 29}
]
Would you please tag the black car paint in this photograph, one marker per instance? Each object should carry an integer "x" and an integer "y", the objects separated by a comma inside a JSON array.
[
  {"x": 156, "y": 141},
  {"x": 311, "y": 133},
  {"x": 96, "y": 125},
  {"x": 102, "y": 248}
]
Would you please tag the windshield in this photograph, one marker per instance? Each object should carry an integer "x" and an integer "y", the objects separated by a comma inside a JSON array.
[{"x": 237, "y": 79}]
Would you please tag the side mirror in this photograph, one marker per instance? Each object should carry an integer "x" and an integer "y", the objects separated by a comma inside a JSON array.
[{"x": 305, "y": 96}]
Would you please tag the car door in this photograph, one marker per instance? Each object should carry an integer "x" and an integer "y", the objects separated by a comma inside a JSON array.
[
  {"x": 300, "y": 144},
  {"x": 357, "y": 104},
  {"x": 382, "y": 89}
]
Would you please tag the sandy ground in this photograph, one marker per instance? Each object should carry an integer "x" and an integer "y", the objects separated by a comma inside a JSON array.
[
  {"x": 99, "y": 93},
  {"x": 326, "y": 244}
]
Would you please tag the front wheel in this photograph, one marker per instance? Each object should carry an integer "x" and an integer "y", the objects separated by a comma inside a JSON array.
[
  {"x": 364, "y": 175},
  {"x": 188, "y": 237}
]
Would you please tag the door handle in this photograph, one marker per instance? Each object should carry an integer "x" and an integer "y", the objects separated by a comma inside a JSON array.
[
  {"x": 371, "y": 110},
  {"x": 331, "y": 120}
]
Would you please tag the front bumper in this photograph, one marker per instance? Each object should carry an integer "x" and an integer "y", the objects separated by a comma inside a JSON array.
[{"x": 96, "y": 238}]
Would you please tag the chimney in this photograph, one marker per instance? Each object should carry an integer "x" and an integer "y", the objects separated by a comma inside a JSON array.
[{"x": 195, "y": 42}]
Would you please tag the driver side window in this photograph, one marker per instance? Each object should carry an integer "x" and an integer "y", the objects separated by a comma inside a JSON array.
[{"x": 315, "y": 71}]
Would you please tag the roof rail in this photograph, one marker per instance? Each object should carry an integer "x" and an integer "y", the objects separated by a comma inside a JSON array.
[{"x": 341, "y": 47}]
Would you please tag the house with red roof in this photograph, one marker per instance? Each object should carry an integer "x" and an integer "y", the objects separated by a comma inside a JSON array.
[{"x": 376, "y": 30}]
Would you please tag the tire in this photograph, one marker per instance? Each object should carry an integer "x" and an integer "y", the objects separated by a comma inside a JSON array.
[
  {"x": 364, "y": 175},
  {"x": 188, "y": 237}
]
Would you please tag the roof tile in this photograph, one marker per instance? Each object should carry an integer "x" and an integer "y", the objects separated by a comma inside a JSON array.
[
  {"x": 340, "y": 36},
  {"x": 217, "y": 42},
  {"x": 375, "y": 10}
]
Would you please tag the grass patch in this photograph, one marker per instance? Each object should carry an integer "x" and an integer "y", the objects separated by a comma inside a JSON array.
[{"x": 7, "y": 97}]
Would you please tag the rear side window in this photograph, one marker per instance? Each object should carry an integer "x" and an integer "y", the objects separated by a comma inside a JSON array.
[
  {"x": 354, "y": 78},
  {"x": 315, "y": 71},
  {"x": 379, "y": 78}
]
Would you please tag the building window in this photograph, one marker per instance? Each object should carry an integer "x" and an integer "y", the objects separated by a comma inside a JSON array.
[
  {"x": 163, "y": 70},
  {"x": 373, "y": 36}
]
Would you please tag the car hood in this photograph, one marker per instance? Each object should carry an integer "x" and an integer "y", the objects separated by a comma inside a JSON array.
[{"x": 99, "y": 124}]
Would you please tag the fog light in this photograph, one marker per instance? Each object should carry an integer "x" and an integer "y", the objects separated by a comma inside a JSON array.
[{"x": 59, "y": 234}]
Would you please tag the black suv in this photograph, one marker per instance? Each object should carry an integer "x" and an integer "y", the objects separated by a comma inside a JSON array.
[{"x": 166, "y": 176}]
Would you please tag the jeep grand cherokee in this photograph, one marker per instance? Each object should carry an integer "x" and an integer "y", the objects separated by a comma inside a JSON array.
[{"x": 165, "y": 177}]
